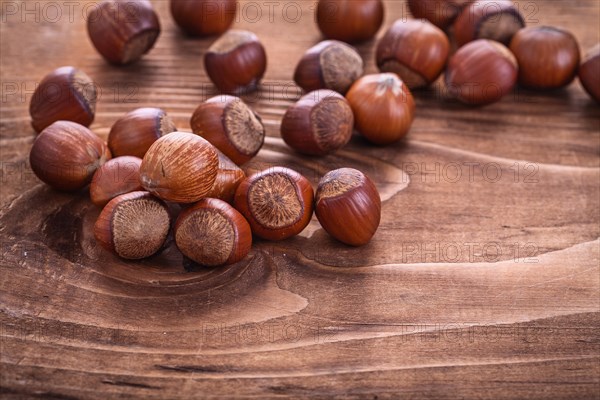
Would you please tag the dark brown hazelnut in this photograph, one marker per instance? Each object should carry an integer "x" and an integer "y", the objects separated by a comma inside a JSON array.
[
  {"x": 229, "y": 177},
  {"x": 277, "y": 202},
  {"x": 481, "y": 72},
  {"x": 350, "y": 20},
  {"x": 65, "y": 155},
  {"x": 134, "y": 133},
  {"x": 383, "y": 107},
  {"x": 133, "y": 225},
  {"x": 441, "y": 13},
  {"x": 496, "y": 20},
  {"x": 318, "y": 124},
  {"x": 348, "y": 206},
  {"x": 180, "y": 167},
  {"x": 231, "y": 126},
  {"x": 589, "y": 73},
  {"x": 117, "y": 176},
  {"x": 65, "y": 94},
  {"x": 213, "y": 233},
  {"x": 329, "y": 65},
  {"x": 236, "y": 62},
  {"x": 123, "y": 30},
  {"x": 548, "y": 57},
  {"x": 203, "y": 17},
  {"x": 415, "y": 50}
]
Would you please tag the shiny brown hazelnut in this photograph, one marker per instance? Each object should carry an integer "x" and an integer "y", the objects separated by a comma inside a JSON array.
[
  {"x": 481, "y": 72},
  {"x": 496, "y": 20},
  {"x": 117, "y": 176},
  {"x": 134, "y": 133},
  {"x": 415, "y": 50},
  {"x": 133, "y": 225},
  {"x": 383, "y": 107},
  {"x": 65, "y": 155},
  {"x": 213, "y": 233},
  {"x": 203, "y": 17},
  {"x": 441, "y": 13},
  {"x": 236, "y": 62},
  {"x": 231, "y": 126},
  {"x": 349, "y": 20},
  {"x": 589, "y": 73},
  {"x": 123, "y": 30},
  {"x": 329, "y": 65},
  {"x": 548, "y": 57},
  {"x": 65, "y": 94},
  {"x": 179, "y": 167},
  {"x": 348, "y": 206},
  {"x": 229, "y": 177},
  {"x": 277, "y": 202},
  {"x": 318, "y": 124}
]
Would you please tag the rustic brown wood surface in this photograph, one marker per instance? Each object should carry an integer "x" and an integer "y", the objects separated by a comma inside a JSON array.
[{"x": 482, "y": 281}]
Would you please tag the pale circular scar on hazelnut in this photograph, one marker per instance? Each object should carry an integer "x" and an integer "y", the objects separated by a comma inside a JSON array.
[
  {"x": 387, "y": 82},
  {"x": 411, "y": 78},
  {"x": 342, "y": 66},
  {"x": 245, "y": 130},
  {"x": 85, "y": 87},
  {"x": 338, "y": 182},
  {"x": 499, "y": 27},
  {"x": 274, "y": 202},
  {"x": 138, "y": 45},
  {"x": 328, "y": 118},
  {"x": 207, "y": 237},
  {"x": 231, "y": 40},
  {"x": 139, "y": 227},
  {"x": 166, "y": 124}
]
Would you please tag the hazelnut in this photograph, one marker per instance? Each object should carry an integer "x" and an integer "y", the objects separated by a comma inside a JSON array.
[
  {"x": 481, "y": 72},
  {"x": 65, "y": 155},
  {"x": 231, "y": 126},
  {"x": 117, "y": 176},
  {"x": 229, "y": 177},
  {"x": 329, "y": 65},
  {"x": 415, "y": 50},
  {"x": 123, "y": 30},
  {"x": 203, "y": 17},
  {"x": 179, "y": 167},
  {"x": 133, "y": 225},
  {"x": 383, "y": 107},
  {"x": 213, "y": 233},
  {"x": 441, "y": 13},
  {"x": 318, "y": 124},
  {"x": 277, "y": 202},
  {"x": 548, "y": 57},
  {"x": 589, "y": 73},
  {"x": 236, "y": 62},
  {"x": 66, "y": 94},
  {"x": 496, "y": 20},
  {"x": 134, "y": 133},
  {"x": 349, "y": 20},
  {"x": 348, "y": 206}
]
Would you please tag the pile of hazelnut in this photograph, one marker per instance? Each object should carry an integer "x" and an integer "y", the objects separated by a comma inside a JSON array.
[{"x": 146, "y": 165}]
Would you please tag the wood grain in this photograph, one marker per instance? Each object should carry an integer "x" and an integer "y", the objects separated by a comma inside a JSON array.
[{"x": 483, "y": 280}]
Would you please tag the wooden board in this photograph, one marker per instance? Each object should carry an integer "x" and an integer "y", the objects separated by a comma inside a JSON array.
[{"x": 482, "y": 281}]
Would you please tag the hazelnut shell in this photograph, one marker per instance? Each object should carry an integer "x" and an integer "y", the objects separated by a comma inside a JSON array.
[
  {"x": 319, "y": 123},
  {"x": 213, "y": 233},
  {"x": 117, "y": 176},
  {"x": 65, "y": 155},
  {"x": 277, "y": 203},
  {"x": 134, "y": 133},
  {"x": 179, "y": 167},
  {"x": 65, "y": 94},
  {"x": 348, "y": 206}
]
